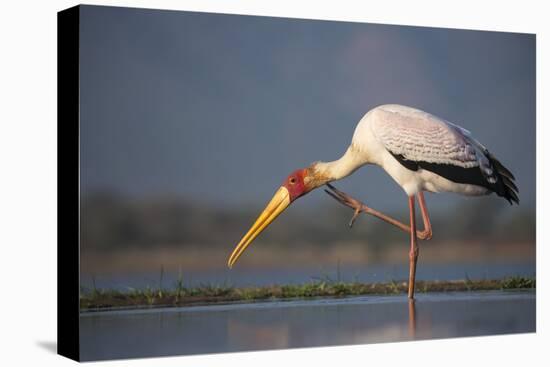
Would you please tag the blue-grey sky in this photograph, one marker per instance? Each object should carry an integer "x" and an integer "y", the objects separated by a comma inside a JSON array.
[{"x": 222, "y": 107}]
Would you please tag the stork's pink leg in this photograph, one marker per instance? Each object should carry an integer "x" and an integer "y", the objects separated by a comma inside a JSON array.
[
  {"x": 413, "y": 253},
  {"x": 359, "y": 208},
  {"x": 427, "y": 232}
]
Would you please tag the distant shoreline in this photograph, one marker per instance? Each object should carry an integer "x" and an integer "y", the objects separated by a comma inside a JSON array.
[{"x": 104, "y": 299}]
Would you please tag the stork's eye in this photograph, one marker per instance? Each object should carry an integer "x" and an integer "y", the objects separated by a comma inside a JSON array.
[{"x": 292, "y": 180}]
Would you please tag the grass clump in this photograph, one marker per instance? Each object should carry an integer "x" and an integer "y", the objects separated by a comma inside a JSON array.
[{"x": 518, "y": 283}]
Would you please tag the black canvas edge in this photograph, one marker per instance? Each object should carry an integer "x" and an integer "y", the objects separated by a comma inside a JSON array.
[{"x": 68, "y": 183}]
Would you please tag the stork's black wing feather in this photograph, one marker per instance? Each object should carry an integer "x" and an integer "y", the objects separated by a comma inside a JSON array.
[{"x": 504, "y": 185}]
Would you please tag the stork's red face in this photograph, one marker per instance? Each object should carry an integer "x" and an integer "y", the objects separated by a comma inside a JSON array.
[{"x": 293, "y": 187}]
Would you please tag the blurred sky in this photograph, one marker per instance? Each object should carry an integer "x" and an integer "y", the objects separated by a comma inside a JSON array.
[{"x": 221, "y": 108}]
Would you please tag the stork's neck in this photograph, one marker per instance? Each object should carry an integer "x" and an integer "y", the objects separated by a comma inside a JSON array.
[{"x": 338, "y": 169}]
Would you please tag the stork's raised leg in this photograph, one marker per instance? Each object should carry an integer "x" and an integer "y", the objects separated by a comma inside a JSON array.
[
  {"x": 359, "y": 208},
  {"x": 426, "y": 234},
  {"x": 413, "y": 253}
]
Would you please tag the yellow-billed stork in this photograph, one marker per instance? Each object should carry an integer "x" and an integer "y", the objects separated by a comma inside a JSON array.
[{"x": 420, "y": 151}]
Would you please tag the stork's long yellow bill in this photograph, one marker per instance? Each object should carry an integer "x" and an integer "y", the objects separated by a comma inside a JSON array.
[{"x": 280, "y": 201}]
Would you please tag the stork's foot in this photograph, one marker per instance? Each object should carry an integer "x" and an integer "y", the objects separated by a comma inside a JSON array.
[{"x": 347, "y": 200}]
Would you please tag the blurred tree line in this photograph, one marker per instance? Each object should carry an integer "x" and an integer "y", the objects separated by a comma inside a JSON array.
[{"x": 110, "y": 221}]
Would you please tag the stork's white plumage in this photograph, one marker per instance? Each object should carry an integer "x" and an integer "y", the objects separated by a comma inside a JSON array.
[{"x": 421, "y": 152}]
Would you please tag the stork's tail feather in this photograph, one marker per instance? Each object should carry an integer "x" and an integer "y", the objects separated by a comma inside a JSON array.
[{"x": 505, "y": 185}]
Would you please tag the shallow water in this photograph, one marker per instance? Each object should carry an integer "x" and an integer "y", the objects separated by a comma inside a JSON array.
[
  {"x": 257, "y": 277},
  {"x": 304, "y": 323}
]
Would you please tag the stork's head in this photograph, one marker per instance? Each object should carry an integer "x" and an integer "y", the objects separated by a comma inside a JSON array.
[{"x": 297, "y": 184}]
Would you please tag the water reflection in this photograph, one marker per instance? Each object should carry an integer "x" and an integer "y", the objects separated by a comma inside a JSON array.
[
  {"x": 276, "y": 325},
  {"x": 242, "y": 335},
  {"x": 412, "y": 318}
]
